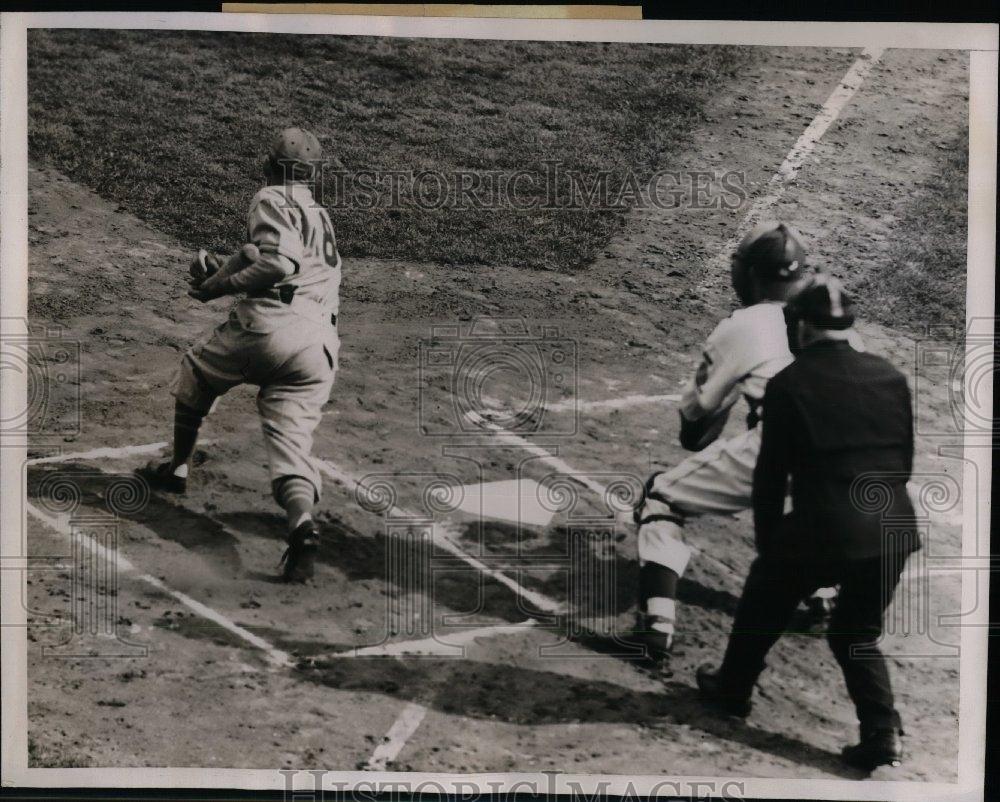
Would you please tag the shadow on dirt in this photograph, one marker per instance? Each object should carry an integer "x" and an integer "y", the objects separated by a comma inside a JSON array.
[
  {"x": 525, "y": 696},
  {"x": 583, "y": 567},
  {"x": 88, "y": 495},
  {"x": 402, "y": 559}
]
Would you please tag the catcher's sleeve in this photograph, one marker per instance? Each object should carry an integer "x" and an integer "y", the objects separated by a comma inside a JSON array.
[
  {"x": 701, "y": 433},
  {"x": 700, "y": 427}
]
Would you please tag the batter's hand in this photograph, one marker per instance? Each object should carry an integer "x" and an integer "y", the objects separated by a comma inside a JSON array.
[
  {"x": 208, "y": 290},
  {"x": 203, "y": 266}
]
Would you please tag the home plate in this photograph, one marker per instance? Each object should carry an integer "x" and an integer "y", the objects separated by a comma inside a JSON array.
[{"x": 514, "y": 500}]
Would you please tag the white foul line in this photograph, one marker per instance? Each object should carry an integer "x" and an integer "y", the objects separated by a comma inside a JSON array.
[
  {"x": 572, "y": 404},
  {"x": 102, "y": 453},
  {"x": 274, "y": 655},
  {"x": 434, "y": 646},
  {"x": 107, "y": 452},
  {"x": 804, "y": 145},
  {"x": 443, "y": 536},
  {"x": 566, "y": 470},
  {"x": 395, "y": 739}
]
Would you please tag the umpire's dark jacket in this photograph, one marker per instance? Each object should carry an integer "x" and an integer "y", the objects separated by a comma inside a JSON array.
[{"x": 839, "y": 423}]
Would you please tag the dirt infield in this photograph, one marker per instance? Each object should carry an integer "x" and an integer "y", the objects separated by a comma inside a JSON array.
[{"x": 184, "y": 690}]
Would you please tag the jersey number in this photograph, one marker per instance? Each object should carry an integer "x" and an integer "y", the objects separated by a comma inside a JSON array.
[{"x": 329, "y": 244}]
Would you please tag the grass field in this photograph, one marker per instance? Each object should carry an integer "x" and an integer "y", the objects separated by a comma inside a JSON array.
[
  {"x": 178, "y": 140},
  {"x": 927, "y": 286}
]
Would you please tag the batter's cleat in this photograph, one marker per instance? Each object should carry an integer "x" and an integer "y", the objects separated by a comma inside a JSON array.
[
  {"x": 299, "y": 560},
  {"x": 876, "y": 748},
  {"x": 713, "y": 695},
  {"x": 656, "y": 643},
  {"x": 160, "y": 476}
]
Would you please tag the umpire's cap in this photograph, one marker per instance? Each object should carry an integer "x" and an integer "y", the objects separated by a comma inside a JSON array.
[
  {"x": 773, "y": 251},
  {"x": 297, "y": 153},
  {"x": 824, "y": 304}
]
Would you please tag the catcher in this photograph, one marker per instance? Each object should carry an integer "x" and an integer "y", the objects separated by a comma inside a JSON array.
[
  {"x": 281, "y": 336},
  {"x": 745, "y": 350},
  {"x": 835, "y": 422}
]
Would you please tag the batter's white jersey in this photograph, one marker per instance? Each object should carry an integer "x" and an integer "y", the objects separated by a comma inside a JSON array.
[
  {"x": 286, "y": 221},
  {"x": 295, "y": 361}
]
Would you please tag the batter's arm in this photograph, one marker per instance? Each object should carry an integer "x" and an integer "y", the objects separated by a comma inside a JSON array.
[
  {"x": 260, "y": 274},
  {"x": 248, "y": 270}
]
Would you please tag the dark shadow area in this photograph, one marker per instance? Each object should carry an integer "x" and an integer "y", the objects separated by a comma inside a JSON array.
[
  {"x": 63, "y": 487},
  {"x": 561, "y": 568},
  {"x": 569, "y": 561},
  {"x": 406, "y": 563},
  {"x": 524, "y": 696}
]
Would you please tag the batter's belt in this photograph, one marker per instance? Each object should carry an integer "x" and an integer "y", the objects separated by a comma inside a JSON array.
[{"x": 303, "y": 306}]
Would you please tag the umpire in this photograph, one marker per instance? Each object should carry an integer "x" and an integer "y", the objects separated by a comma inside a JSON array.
[{"x": 835, "y": 421}]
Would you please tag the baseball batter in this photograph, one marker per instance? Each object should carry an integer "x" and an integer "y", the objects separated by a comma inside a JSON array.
[
  {"x": 281, "y": 336},
  {"x": 741, "y": 354}
]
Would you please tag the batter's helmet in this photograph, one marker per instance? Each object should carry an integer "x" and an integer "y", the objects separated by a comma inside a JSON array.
[
  {"x": 772, "y": 253},
  {"x": 295, "y": 154}
]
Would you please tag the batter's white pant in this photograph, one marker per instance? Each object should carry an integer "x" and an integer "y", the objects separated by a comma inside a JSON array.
[
  {"x": 294, "y": 367},
  {"x": 717, "y": 480}
]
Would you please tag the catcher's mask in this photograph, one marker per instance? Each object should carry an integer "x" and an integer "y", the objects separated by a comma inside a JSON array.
[
  {"x": 295, "y": 155},
  {"x": 767, "y": 262}
]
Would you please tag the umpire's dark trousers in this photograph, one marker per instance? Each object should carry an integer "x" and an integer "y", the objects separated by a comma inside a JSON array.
[{"x": 771, "y": 595}]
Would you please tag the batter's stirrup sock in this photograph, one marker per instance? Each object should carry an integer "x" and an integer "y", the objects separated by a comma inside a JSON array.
[
  {"x": 296, "y": 495},
  {"x": 656, "y": 581},
  {"x": 187, "y": 423}
]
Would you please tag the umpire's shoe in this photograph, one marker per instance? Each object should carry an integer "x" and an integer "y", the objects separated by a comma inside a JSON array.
[
  {"x": 160, "y": 476},
  {"x": 715, "y": 696},
  {"x": 299, "y": 559},
  {"x": 877, "y": 748}
]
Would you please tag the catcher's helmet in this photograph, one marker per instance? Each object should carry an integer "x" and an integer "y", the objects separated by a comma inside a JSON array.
[
  {"x": 772, "y": 253},
  {"x": 823, "y": 304},
  {"x": 295, "y": 154}
]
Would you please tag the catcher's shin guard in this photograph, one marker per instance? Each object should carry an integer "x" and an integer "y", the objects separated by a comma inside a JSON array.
[{"x": 663, "y": 558}]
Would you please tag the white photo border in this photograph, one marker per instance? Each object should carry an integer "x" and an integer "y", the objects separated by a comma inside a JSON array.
[{"x": 979, "y": 39}]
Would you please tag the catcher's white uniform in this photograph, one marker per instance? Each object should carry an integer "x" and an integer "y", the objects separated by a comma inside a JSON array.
[
  {"x": 741, "y": 354},
  {"x": 282, "y": 339}
]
